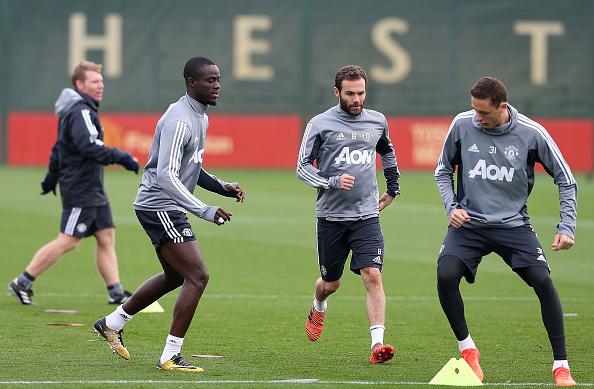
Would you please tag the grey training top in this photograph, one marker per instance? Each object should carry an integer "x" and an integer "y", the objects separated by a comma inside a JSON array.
[
  {"x": 496, "y": 171},
  {"x": 341, "y": 143},
  {"x": 175, "y": 161}
]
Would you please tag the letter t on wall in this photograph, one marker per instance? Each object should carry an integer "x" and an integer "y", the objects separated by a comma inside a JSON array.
[{"x": 539, "y": 50}]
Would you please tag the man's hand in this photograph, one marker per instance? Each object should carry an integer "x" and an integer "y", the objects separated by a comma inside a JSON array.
[
  {"x": 384, "y": 201},
  {"x": 562, "y": 242},
  {"x": 346, "y": 182},
  {"x": 130, "y": 163},
  {"x": 49, "y": 184},
  {"x": 239, "y": 193},
  {"x": 221, "y": 216},
  {"x": 458, "y": 217}
]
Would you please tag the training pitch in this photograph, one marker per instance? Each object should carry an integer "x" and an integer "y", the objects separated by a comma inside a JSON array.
[{"x": 262, "y": 267}]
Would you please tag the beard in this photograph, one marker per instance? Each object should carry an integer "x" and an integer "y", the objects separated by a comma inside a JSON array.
[{"x": 352, "y": 110}]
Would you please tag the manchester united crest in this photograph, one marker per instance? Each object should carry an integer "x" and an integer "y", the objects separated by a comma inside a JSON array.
[
  {"x": 511, "y": 152},
  {"x": 367, "y": 135}
]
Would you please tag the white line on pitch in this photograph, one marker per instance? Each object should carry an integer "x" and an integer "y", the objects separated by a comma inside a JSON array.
[
  {"x": 304, "y": 381},
  {"x": 249, "y": 296}
]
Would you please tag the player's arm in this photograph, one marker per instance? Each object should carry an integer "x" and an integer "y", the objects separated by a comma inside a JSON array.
[
  {"x": 444, "y": 176},
  {"x": 83, "y": 133},
  {"x": 555, "y": 165},
  {"x": 387, "y": 154},
  {"x": 308, "y": 173},
  {"x": 213, "y": 184},
  {"x": 54, "y": 162},
  {"x": 174, "y": 135},
  {"x": 50, "y": 181}
]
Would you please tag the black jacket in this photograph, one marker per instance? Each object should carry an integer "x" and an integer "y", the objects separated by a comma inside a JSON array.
[{"x": 78, "y": 156}]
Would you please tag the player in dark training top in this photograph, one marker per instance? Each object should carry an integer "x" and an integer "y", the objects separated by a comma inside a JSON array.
[
  {"x": 494, "y": 149},
  {"x": 76, "y": 163}
]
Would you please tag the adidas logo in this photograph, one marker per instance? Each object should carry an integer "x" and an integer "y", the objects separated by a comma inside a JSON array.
[
  {"x": 473, "y": 148},
  {"x": 377, "y": 260},
  {"x": 340, "y": 136},
  {"x": 541, "y": 258}
]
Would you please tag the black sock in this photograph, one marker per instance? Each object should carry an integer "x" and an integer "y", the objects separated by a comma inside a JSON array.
[
  {"x": 450, "y": 270},
  {"x": 25, "y": 280},
  {"x": 550, "y": 306},
  {"x": 115, "y": 290}
]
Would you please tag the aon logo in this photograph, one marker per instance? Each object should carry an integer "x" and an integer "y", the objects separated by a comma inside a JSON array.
[
  {"x": 491, "y": 172},
  {"x": 355, "y": 157},
  {"x": 197, "y": 156}
]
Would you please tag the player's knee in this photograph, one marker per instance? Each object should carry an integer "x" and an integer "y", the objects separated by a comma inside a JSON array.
[
  {"x": 106, "y": 237},
  {"x": 542, "y": 284},
  {"x": 330, "y": 287},
  {"x": 537, "y": 277},
  {"x": 448, "y": 275},
  {"x": 372, "y": 276},
  {"x": 67, "y": 243},
  {"x": 199, "y": 279}
]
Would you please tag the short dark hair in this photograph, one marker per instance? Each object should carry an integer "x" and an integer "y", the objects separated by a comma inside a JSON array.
[
  {"x": 490, "y": 88},
  {"x": 194, "y": 65},
  {"x": 80, "y": 71},
  {"x": 349, "y": 72}
]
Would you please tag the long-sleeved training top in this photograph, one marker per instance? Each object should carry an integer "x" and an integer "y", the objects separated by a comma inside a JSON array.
[
  {"x": 340, "y": 143},
  {"x": 175, "y": 162},
  {"x": 496, "y": 171}
]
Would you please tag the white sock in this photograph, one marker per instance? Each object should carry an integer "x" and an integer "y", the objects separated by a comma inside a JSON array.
[
  {"x": 173, "y": 346},
  {"x": 560, "y": 363},
  {"x": 466, "y": 343},
  {"x": 377, "y": 334},
  {"x": 117, "y": 319},
  {"x": 320, "y": 306}
]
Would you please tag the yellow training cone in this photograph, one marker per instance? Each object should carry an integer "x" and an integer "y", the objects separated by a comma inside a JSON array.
[
  {"x": 153, "y": 308},
  {"x": 456, "y": 373}
]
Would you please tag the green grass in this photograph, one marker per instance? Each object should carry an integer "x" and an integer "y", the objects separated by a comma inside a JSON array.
[{"x": 263, "y": 267}]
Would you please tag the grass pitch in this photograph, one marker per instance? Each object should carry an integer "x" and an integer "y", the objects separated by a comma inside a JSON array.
[{"x": 263, "y": 267}]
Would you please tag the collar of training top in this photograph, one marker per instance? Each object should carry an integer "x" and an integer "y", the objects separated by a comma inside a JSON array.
[{"x": 195, "y": 105}]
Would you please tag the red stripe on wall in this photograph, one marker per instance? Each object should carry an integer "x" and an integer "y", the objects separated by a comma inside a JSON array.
[
  {"x": 272, "y": 141},
  {"x": 31, "y": 136},
  {"x": 247, "y": 141}
]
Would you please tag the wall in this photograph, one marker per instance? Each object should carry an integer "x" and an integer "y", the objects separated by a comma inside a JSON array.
[
  {"x": 279, "y": 57},
  {"x": 272, "y": 141}
]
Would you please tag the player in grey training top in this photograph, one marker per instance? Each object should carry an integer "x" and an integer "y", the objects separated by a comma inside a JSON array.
[
  {"x": 495, "y": 148},
  {"x": 175, "y": 162},
  {"x": 342, "y": 142},
  {"x": 165, "y": 194}
]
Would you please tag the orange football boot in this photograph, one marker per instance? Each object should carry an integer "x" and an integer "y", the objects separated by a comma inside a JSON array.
[
  {"x": 563, "y": 377},
  {"x": 381, "y": 353},
  {"x": 472, "y": 357},
  {"x": 314, "y": 324}
]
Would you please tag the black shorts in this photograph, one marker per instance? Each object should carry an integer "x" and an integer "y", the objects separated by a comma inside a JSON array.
[
  {"x": 82, "y": 222},
  {"x": 166, "y": 226},
  {"x": 336, "y": 239},
  {"x": 519, "y": 247}
]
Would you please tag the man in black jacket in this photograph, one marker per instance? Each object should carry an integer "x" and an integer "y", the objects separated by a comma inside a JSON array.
[{"x": 77, "y": 161}]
